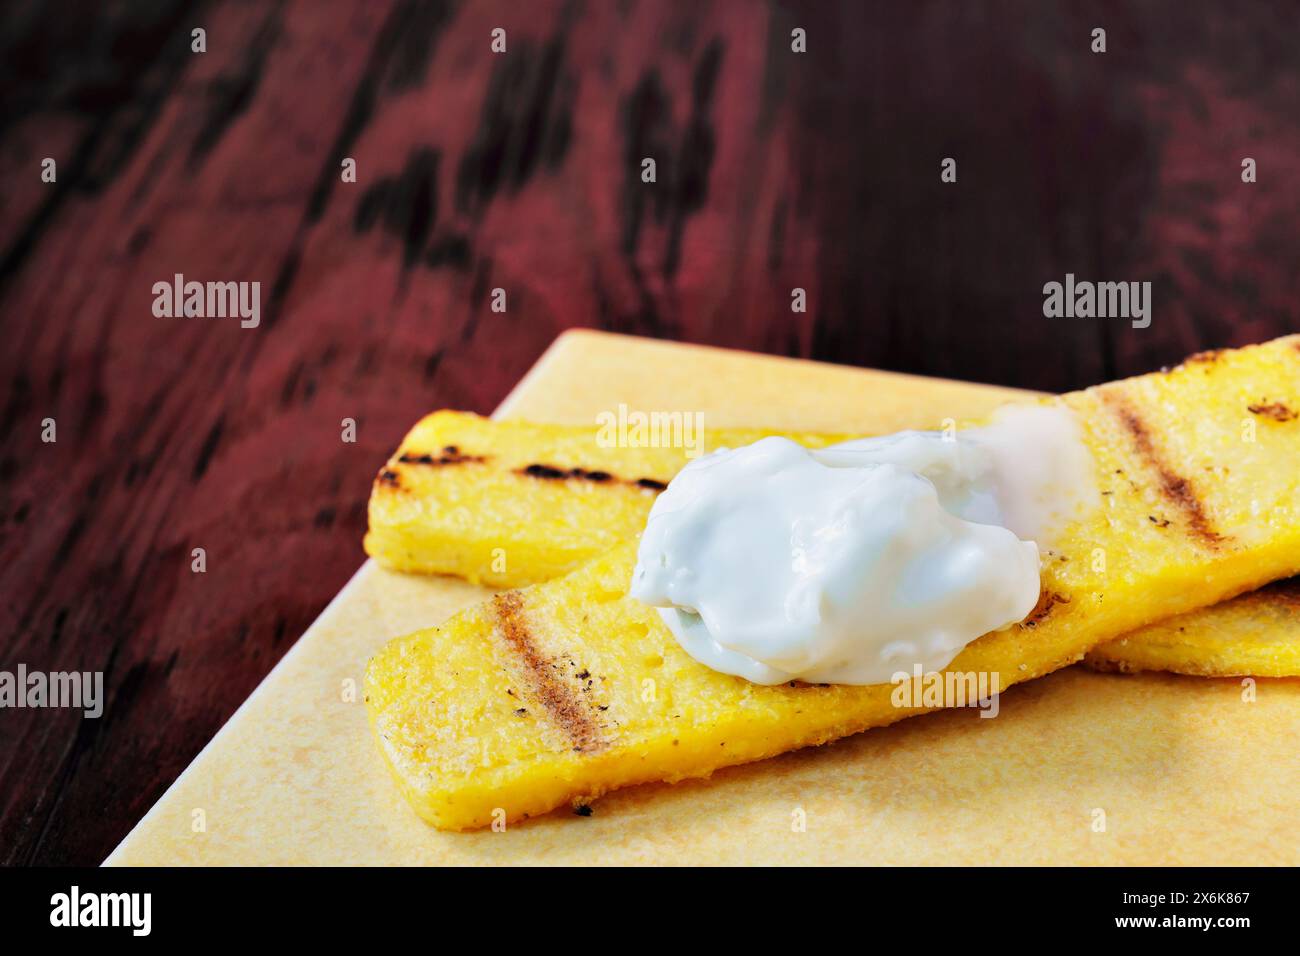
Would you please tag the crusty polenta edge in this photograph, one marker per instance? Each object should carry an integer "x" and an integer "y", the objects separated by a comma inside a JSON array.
[{"x": 531, "y": 700}]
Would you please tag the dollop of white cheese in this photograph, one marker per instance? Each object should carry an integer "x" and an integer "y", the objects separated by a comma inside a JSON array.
[{"x": 850, "y": 564}]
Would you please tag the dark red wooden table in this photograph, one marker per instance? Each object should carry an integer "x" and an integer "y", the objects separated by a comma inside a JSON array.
[{"x": 520, "y": 171}]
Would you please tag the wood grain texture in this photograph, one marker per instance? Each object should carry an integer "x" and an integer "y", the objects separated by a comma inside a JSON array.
[{"x": 520, "y": 171}]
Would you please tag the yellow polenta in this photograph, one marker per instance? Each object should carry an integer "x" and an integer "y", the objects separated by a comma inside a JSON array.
[
  {"x": 565, "y": 690},
  {"x": 1257, "y": 634},
  {"x": 513, "y": 503}
]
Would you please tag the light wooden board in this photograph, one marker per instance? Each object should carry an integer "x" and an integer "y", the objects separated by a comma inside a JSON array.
[{"x": 1184, "y": 770}]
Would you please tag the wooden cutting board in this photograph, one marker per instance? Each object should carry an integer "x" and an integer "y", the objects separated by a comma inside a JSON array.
[{"x": 1077, "y": 768}]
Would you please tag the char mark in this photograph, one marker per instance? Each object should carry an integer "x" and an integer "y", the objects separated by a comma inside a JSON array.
[
  {"x": 390, "y": 478},
  {"x": 1274, "y": 410},
  {"x": 1173, "y": 486},
  {"x": 1047, "y": 600},
  {"x": 450, "y": 455},
  {"x": 551, "y": 473},
  {"x": 554, "y": 473},
  {"x": 1208, "y": 357},
  {"x": 570, "y": 713}
]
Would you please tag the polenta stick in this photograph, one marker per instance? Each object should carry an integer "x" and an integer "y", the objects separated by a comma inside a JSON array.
[
  {"x": 1255, "y": 635},
  {"x": 514, "y": 503},
  {"x": 569, "y": 689}
]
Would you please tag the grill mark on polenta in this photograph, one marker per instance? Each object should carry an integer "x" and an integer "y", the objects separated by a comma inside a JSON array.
[
  {"x": 569, "y": 713},
  {"x": 552, "y": 473},
  {"x": 390, "y": 477},
  {"x": 1274, "y": 410},
  {"x": 1174, "y": 486},
  {"x": 450, "y": 455},
  {"x": 555, "y": 473}
]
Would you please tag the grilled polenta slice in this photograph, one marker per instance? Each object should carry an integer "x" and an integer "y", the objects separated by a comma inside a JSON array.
[
  {"x": 1257, "y": 635},
  {"x": 566, "y": 690},
  {"x": 512, "y": 503}
]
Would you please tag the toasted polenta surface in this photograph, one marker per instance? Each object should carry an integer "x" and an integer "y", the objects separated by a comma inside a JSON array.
[
  {"x": 1256, "y": 635},
  {"x": 511, "y": 503},
  {"x": 568, "y": 689}
]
